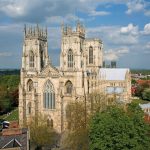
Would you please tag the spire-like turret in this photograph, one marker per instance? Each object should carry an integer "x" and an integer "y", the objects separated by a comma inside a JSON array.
[
  {"x": 46, "y": 31},
  {"x": 80, "y": 28},
  {"x": 35, "y": 32},
  {"x": 67, "y": 30},
  {"x": 35, "y": 49}
]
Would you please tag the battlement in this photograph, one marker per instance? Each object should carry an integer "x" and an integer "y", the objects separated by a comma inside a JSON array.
[
  {"x": 35, "y": 32},
  {"x": 67, "y": 30}
]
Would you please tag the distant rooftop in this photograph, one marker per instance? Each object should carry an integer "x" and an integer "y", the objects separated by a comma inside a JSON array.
[
  {"x": 144, "y": 106},
  {"x": 14, "y": 139}
]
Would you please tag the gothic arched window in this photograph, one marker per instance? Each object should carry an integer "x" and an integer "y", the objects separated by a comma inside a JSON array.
[
  {"x": 29, "y": 108},
  {"x": 31, "y": 59},
  {"x": 50, "y": 123},
  {"x": 90, "y": 55},
  {"x": 69, "y": 87},
  {"x": 70, "y": 59},
  {"x": 30, "y": 85},
  {"x": 42, "y": 60},
  {"x": 49, "y": 96}
]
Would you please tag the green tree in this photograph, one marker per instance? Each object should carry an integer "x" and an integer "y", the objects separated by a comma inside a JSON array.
[
  {"x": 115, "y": 129},
  {"x": 133, "y": 81},
  {"x": 14, "y": 96},
  {"x": 8, "y": 92},
  {"x": 146, "y": 94},
  {"x": 42, "y": 134},
  {"x": 5, "y": 105},
  {"x": 78, "y": 115},
  {"x": 98, "y": 102},
  {"x": 140, "y": 88},
  {"x": 77, "y": 135}
]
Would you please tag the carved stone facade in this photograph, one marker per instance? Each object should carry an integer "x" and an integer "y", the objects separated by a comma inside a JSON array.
[{"x": 47, "y": 90}]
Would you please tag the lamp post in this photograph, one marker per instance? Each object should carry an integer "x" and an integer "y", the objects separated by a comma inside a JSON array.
[
  {"x": 62, "y": 110},
  {"x": 88, "y": 74}
]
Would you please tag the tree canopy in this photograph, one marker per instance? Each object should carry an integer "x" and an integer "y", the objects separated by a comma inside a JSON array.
[
  {"x": 8, "y": 92},
  {"x": 115, "y": 129},
  {"x": 77, "y": 135},
  {"x": 42, "y": 133},
  {"x": 146, "y": 94}
]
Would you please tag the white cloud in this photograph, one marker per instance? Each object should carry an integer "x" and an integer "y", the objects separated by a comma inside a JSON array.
[
  {"x": 38, "y": 11},
  {"x": 147, "y": 52},
  {"x": 146, "y": 29},
  {"x": 147, "y": 49},
  {"x": 13, "y": 8},
  {"x": 135, "y": 6},
  {"x": 11, "y": 28},
  {"x": 130, "y": 29},
  {"x": 115, "y": 54},
  {"x": 54, "y": 37},
  {"x": 59, "y": 19},
  {"x": 122, "y": 51},
  {"x": 54, "y": 19},
  {"x": 5, "y": 54},
  {"x": 99, "y": 13},
  {"x": 116, "y": 34},
  {"x": 147, "y": 12},
  {"x": 148, "y": 46},
  {"x": 110, "y": 56}
]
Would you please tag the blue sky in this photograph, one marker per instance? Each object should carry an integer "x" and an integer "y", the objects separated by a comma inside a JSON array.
[{"x": 122, "y": 25}]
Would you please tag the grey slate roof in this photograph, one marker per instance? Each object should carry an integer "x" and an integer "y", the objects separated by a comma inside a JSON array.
[
  {"x": 113, "y": 73},
  {"x": 20, "y": 140}
]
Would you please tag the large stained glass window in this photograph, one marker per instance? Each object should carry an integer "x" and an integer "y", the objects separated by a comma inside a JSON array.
[
  {"x": 49, "y": 96},
  {"x": 70, "y": 59}
]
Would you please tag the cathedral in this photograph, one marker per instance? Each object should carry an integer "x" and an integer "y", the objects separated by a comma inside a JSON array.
[{"x": 45, "y": 89}]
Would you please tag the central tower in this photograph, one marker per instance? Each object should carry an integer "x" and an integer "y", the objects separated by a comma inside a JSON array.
[
  {"x": 72, "y": 48},
  {"x": 79, "y": 56}
]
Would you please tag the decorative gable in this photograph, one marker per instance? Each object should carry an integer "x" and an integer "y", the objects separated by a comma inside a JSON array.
[{"x": 50, "y": 71}]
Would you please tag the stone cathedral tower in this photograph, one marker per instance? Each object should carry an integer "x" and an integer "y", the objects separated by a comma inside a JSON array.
[
  {"x": 79, "y": 55},
  {"x": 35, "y": 44},
  {"x": 47, "y": 90},
  {"x": 34, "y": 59}
]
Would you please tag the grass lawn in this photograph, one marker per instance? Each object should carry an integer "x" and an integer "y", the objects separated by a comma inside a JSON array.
[
  {"x": 2, "y": 116},
  {"x": 140, "y": 101},
  {"x": 13, "y": 116}
]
